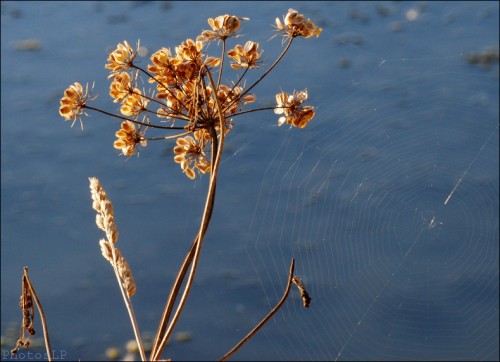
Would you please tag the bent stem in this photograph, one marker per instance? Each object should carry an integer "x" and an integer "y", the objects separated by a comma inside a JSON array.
[
  {"x": 192, "y": 257},
  {"x": 42, "y": 314},
  {"x": 167, "y": 311},
  {"x": 266, "y": 318}
]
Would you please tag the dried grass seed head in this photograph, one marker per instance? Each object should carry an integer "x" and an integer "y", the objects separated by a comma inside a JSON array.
[
  {"x": 105, "y": 217},
  {"x": 126, "y": 276}
]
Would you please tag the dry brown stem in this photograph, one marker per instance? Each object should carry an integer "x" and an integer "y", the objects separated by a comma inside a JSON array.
[
  {"x": 27, "y": 297},
  {"x": 266, "y": 318}
]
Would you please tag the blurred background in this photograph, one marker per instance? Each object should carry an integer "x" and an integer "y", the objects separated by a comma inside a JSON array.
[{"x": 388, "y": 200}]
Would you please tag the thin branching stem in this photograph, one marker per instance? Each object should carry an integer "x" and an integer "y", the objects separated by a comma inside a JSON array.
[
  {"x": 217, "y": 147},
  {"x": 168, "y": 137},
  {"x": 252, "y": 110},
  {"x": 160, "y": 83},
  {"x": 266, "y": 318},
  {"x": 267, "y": 71},
  {"x": 235, "y": 85},
  {"x": 129, "y": 119}
]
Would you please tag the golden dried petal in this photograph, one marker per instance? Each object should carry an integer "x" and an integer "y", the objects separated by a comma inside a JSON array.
[
  {"x": 119, "y": 144},
  {"x": 182, "y": 142},
  {"x": 212, "y": 61},
  {"x": 190, "y": 173},
  {"x": 179, "y": 150}
]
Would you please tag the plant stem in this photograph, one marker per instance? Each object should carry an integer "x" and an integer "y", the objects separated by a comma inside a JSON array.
[
  {"x": 130, "y": 309},
  {"x": 167, "y": 311},
  {"x": 217, "y": 148},
  {"x": 42, "y": 314},
  {"x": 129, "y": 119},
  {"x": 266, "y": 318},
  {"x": 221, "y": 62}
]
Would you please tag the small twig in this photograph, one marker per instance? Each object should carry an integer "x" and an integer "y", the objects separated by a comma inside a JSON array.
[
  {"x": 27, "y": 283},
  {"x": 129, "y": 119},
  {"x": 267, "y": 317}
]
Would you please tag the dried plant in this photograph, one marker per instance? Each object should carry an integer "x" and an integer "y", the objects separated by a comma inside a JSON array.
[
  {"x": 187, "y": 99},
  {"x": 27, "y": 303}
]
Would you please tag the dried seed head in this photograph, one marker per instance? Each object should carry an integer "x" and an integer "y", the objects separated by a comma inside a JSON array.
[
  {"x": 306, "y": 299},
  {"x": 126, "y": 276},
  {"x": 105, "y": 215},
  {"x": 295, "y": 24},
  {"x": 74, "y": 101}
]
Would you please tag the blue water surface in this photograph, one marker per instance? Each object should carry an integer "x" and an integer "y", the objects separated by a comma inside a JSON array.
[{"x": 388, "y": 200}]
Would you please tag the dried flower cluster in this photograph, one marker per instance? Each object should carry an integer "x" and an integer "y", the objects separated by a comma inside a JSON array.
[
  {"x": 190, "y": 154},
  {"x": 223, "y": 27},
  {"x": 105, "y": 221},
  {"x": 129, "y": 138},
  {"x": 295, "y": 24},
  {"x": 294, "y": 113},
  {"x": 74, "y": 102},
  {"x": 184, "y": 90}
]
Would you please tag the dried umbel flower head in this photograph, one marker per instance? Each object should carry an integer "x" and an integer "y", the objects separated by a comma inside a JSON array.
[
  {"x": 295, "y": 24},
  {"x": 223, "y": 27},
  {"x": 134, "y": 104},
  {"x": 122, "y": 58},
  {"x": 294, "y": 113},
  {"x": 245, "y": 57},
  {"x": 184, "y": 90},
  {"x": 128, "y": 139},
  {"x": 121, "y": 86},
  {"x": 190, "y": 154},
  {"x": 74, "y": 101}
]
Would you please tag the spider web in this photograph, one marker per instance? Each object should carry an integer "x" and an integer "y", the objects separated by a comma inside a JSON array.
[{"x": 389, "y": 203}]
